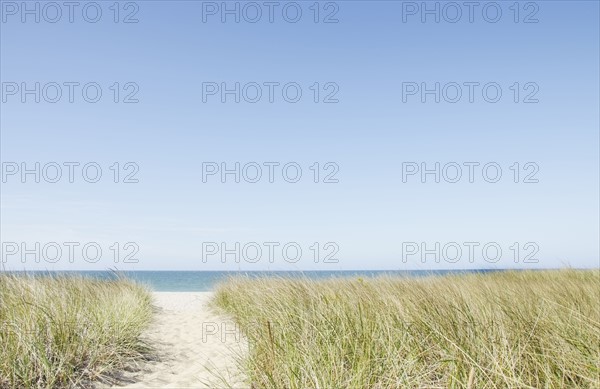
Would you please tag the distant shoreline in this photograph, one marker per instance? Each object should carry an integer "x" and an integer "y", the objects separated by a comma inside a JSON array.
[{"x": 207, "y": 281}]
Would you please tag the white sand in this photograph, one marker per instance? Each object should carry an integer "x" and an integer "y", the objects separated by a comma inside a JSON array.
[{"x": 197, "y": 347}]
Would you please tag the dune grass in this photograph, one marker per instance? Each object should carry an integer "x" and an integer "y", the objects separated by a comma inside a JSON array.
[
  {"x": 63, "y": 331},
  {"x": 496, "y": 330}
]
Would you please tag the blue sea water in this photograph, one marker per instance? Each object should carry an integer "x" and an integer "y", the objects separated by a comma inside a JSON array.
[{"x": 204, "y": 281}]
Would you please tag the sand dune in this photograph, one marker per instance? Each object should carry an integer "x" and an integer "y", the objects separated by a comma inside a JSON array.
[{"x": 196, "y": 346}]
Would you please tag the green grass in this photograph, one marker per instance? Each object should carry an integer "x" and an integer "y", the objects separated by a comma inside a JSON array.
[
  {"x": 496, "y": 330},
  {"x": 58, "y": 332}
]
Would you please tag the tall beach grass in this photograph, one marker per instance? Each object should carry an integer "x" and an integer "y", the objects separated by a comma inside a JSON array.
[
  {"x": 63, "y": 331},
  {"x": 512, "y": 329}
]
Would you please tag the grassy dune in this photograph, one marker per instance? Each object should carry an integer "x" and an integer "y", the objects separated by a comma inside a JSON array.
[
  {"x": 495, "y": 330},
  {"x": 65, "y": 331}
]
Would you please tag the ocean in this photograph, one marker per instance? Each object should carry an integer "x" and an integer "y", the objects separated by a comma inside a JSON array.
[{"x": 205, "y": 281}]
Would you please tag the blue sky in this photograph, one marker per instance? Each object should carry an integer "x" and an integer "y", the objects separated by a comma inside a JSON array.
[{"x": 370, "y": 216}]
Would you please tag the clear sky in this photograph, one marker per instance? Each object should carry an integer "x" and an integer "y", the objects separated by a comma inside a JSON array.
[{"x": 362, "y": 116}]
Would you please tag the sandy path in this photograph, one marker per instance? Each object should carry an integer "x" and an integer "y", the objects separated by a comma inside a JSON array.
[{"x": 196, "y": 346}]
